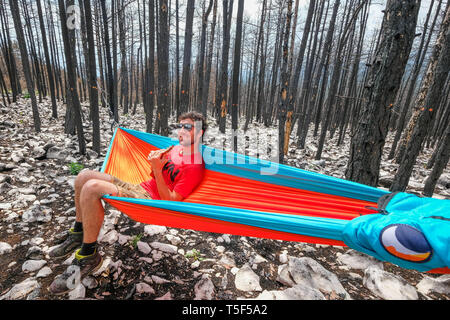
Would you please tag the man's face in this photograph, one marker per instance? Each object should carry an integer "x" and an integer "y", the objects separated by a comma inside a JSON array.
[{"x": 188, "y": 137}]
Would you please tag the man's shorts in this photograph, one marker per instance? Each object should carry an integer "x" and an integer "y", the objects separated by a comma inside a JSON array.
[{"x": 130, "y": 190}]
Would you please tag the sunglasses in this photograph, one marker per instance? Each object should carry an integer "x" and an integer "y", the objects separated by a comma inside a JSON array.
[{"x": 186, "y": 126}]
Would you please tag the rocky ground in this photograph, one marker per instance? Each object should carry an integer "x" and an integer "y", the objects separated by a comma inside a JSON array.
[{"x": 155, "y": 262}]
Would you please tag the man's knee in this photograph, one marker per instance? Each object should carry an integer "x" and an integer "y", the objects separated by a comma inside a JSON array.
[
  {"x": 94, "y": 188},
  {"x": 83, "y": 177},
  {"x": 91, "y": 188}
]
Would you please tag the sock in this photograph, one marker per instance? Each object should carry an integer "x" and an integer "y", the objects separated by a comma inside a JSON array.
[
  {"x": 78, "y": 227},
  {"x": 87, "y": 248}
]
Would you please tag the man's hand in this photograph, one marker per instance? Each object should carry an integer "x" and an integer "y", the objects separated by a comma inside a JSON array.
[
  {"x": 157, "y": 163},
  {"x": 157, "y": 159},
  {"x": 159, "y": 153}
]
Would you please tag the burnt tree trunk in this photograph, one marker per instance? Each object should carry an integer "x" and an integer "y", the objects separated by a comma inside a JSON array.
[
  {"x": 199, "y": 105},
  {"x": 335, "y": 80},
  {"x": 69, "y": 52},
  {"x": 51, "y": 80},
  {"x": 8, "y": 53},
  {"x": 185, "y": 75},
  {"x": 92, "y": 73},
  {"x": 123, "y": 62},
  {"x": 222, "y": 92},
  {"x": 441, "y": 161},
  {"x": 284, "y": 114},
  {"x": 293, "y": 84},
  {"x": 205, "y": 91},
  {"x": 426, "y": 105},
  {"x": 25, "y": 64},
  {"x": 236, "y": 68},
  {"x": 150, "y": 104},
  {"x": 398, "y": 31},
  {"x": 163, "y": 69},
  {"x": 412, "y": 82},
  {"x": 109, "y": 68}
]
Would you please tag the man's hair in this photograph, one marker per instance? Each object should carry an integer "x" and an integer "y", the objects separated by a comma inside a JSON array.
[{"x": 194, "y": 116}]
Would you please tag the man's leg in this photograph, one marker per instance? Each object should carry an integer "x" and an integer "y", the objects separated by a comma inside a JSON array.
[
  {"x": 91, "y": 206},
  {"x": 87, "y": 259},
  {"x": 83, "y": 177},
  {"x": 74, "y": 237}
]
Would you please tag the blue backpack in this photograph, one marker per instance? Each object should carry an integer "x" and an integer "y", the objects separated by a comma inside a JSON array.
[{"x": 410, "y": 231}]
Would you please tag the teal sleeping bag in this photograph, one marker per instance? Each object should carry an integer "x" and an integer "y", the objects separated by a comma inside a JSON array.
[{"x": 410, "y": 231}]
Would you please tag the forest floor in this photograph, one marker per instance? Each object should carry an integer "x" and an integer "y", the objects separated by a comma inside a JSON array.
[{"x": 150, "y": 262}]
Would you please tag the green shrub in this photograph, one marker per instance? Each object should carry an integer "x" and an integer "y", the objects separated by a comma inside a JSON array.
[
  {"x": 136, "y": 239},
  {"x": 195, "y": 254},
  {"x": 75, "y": 168}
]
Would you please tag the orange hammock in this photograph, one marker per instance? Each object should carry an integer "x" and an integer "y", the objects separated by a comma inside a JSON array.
[
  {"x": 127, "y": 160},
  {"x": 256, "y": 198}
]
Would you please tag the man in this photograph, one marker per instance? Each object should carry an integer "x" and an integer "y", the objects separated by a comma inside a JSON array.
[{"x": 176, "y": 172}]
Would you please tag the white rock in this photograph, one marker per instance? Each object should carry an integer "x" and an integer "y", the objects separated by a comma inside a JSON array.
[
  {"x": 105, "y": 265},
  {"x": 148, "y": 260},
  {"x": 5, "y": 206},
  {"x": 159, "y": 280},
  {"x": 143, "y": 247},
  {"x": 355, "y": 276},
  {"x": 152, "y": 230},
  {"x": 258, "y": 259},
  {"x": 57, "y": 153},
  {"x": 297, "y": 292},
  {"x": 123, "y": 239},
  {"x": 5, "y": 248},
  {"x": 226, "y": 238},
  {"x": 27, "y": 190},
  {"x": 227, "y": 262},
  {"x": 173, "y": 239},
  {"x": 36, "y": 241},
  {"x": 26, "y": 197},
  {"x": 157, "y": 255},
  {"x": 143, "y": 287},
  {"x": 21, "y": 290},
  {"x": 305, "y": 248},
  {"x": 307, "y": 271},
  {"x": 284, "y": 276},
  {"x": 111, "y": 237},
  {"x": 11, "y": 216},
  {"x": 89, "y": 282},
  {"x": 44, "y": 272},
  {"x": 167, "y": 296},
  {"x": 247, "y": 280},
  {"x": 438, "y": 285},
  {"x": 33, "y": 265},
  {"x": 204, "y": 289},
  {"x": 164, "y": 247},
  {"x": 37, "y": 213},
  {"x": 283, "y": 258},
  {"x": 78, "y": 293},
  {"x": 220, "y": 249},
  {"x": 358, "y": 260},
  {"x": 69, "y": 260},
  {"x": 387, "y": 285}
]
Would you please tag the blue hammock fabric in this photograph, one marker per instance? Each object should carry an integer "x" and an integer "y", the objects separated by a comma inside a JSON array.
[{"x": 412, "y": 232}]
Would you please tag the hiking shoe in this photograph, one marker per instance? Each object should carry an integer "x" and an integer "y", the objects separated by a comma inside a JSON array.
[
  {"x": 81, "y": 267},
  {"x": 72, "y": 242}
]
